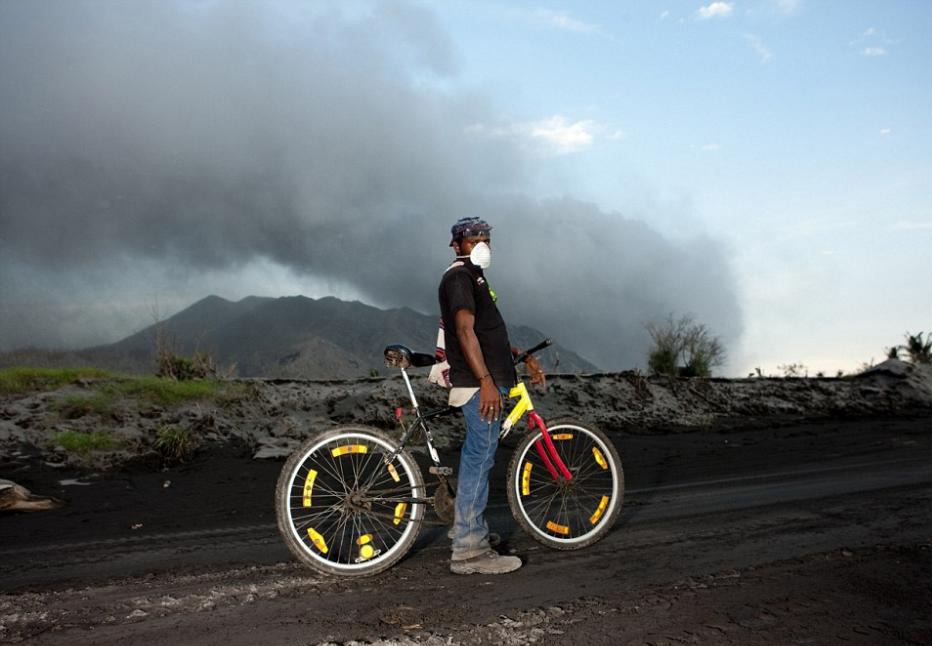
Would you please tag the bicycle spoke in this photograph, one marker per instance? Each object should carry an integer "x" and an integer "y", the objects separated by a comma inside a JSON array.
[
  {"x": 323, "y": 513},
  {"x": 330, "y": 470}
]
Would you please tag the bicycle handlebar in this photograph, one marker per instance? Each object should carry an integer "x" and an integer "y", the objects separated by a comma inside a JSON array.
[{"x": 537, "y": 348}]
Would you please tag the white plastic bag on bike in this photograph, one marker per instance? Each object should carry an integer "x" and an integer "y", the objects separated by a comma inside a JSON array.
[{"x": 440, "y": 371}]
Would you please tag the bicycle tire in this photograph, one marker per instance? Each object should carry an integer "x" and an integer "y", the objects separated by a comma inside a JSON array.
[
  {"x": 323, "y": 528},
  {"x": 585, "y": 511}
]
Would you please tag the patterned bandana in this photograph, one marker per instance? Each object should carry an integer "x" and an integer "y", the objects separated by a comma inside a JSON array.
[{"x": 468, "y": 228}]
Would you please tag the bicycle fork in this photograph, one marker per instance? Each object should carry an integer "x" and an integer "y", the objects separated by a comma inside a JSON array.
[{"x": 554, "y": 462}]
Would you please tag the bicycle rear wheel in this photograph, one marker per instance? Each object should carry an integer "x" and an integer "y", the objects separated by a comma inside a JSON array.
[
  {"x": 561, "y": 515},
  {"x": 342, "y": 510}
]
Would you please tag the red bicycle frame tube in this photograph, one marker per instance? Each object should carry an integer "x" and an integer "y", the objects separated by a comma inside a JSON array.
[{"x": 533, "y": 419}]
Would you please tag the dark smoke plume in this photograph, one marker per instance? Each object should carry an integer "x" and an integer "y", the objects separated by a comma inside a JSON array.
[{"x": 154, "y": 139}]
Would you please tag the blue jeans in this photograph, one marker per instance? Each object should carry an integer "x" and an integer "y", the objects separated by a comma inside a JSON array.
[{"x": 470, "y": 531}]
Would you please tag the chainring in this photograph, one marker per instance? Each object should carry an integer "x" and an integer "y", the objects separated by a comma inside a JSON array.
[{"x": 445, "y": 500}]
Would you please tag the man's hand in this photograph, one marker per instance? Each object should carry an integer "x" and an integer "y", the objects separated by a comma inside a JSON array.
[
  {"x": 537, "y": 375},
  {"x": 490, "y": 401}
]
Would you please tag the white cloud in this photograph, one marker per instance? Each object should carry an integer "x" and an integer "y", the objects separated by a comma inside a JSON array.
[
  {"x": 885, "y": 131},
  {"x": 563, "y": 20},
  {"x": 618, "y": 135},
  {"x": 874, "y": 42},
  {"x": 758, "y": 46},
  {"x": 564, "y": 136},
  {"x": 555, "y": 135},
  {"x": 665, "y": 14},
  {"x": 715, "y": 10},
  {"x": 712, "y": 147}
]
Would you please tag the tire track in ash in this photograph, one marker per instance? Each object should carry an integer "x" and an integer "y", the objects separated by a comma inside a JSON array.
[{"x": 645, "y": 508}]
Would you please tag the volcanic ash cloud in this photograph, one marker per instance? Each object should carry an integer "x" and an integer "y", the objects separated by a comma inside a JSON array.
[{"x": 140, "y": 142}]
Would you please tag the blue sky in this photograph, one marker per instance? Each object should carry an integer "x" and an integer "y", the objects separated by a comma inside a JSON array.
[{"x": 798, "y": 133}]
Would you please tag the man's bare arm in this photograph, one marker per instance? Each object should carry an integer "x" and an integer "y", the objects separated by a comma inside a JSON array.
[{"x": 490, "y": 401}]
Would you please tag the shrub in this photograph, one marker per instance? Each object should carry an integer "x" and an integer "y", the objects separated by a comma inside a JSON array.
[
  {"x": 172, "y": 365},
  {"x": 199, "y": 366},
  {"x": 174, "y": 443},
  {"x": 683, "y": 347},
  {"x": 793, "y": 370}
]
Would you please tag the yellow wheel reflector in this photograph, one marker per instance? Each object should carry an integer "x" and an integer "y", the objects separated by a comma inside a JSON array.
[
  {"x": 365, "y": 538},
  {"x": 392, "y": 470},
  {"x": 559, "y": 529},
  {"x": 562, "y": 436},
  {"x": 308, "y": 486},
  {"x": 318, "y": 540},
  {"x": 400, "y": 509},
  {"x": 599, "y": 511},
  {"x": 349, "y": 448},
  {"x": 526, "y": 479},
  {"x": 599, "y": 457},
  {"x": 366, "y": 552}
]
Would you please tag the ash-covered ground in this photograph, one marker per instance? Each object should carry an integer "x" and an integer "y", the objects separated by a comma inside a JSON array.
[{"x": 759, "y": 511}]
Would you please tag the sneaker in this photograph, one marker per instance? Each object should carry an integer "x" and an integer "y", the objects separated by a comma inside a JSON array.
[
  {"x": 489, "y": 563},
  {"x": 494, "y": 539}
]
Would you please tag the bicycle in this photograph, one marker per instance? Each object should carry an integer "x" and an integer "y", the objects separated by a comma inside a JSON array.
[{"x": 352, "y": 500}]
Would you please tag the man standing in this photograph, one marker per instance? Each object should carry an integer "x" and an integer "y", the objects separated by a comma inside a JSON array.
[{"x": 481, "y": 373}]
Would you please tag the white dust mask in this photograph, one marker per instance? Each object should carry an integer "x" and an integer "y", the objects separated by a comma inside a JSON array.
[{"x": 481, "y": 255}]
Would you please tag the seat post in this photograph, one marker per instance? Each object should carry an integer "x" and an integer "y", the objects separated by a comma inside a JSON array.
[{"x": 404, "y": 374}]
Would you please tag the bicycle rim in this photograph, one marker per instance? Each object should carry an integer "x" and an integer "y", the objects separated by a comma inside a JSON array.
[
  {"x": 573, "y": 515},
  {"x": 345, "y": 533}
]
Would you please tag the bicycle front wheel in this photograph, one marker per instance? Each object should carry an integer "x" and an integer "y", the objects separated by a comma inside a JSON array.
[
  {"x": 342, "y": 509},
  {"x": 567, "y": 515}
]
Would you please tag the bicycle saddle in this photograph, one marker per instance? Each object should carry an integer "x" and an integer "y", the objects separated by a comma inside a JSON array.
[{"x": 399, "y": 356}]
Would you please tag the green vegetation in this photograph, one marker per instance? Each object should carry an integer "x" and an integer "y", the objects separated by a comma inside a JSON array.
[
  {"x": 21, "y": 380},
  {"x": 79, "y": 406},
  {"x": 168, "y": 392},
  {"x": 84, "y": 443},
  {"x": 174, "y": 443},
  {"x": 102, "y": 398},
  {"x": 683, "y": 348}
]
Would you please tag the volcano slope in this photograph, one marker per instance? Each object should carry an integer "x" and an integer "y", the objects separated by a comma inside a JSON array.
[{"x": 807, "y": 521}]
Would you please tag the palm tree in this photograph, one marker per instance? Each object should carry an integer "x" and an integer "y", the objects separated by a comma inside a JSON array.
[{"x": 919, "y": 351}]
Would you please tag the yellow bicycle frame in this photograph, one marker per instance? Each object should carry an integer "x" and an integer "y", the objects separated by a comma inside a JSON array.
[{"x": 523, "y": 406}]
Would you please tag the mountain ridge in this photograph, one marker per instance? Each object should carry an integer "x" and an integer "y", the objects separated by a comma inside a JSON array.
[{"x": 299, "y": 337}]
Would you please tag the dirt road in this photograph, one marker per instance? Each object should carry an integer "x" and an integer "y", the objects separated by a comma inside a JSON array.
[{"x": 804, "y": 533}]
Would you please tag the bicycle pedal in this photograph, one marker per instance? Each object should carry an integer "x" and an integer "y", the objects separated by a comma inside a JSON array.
[{"x": 441, "y": 471}]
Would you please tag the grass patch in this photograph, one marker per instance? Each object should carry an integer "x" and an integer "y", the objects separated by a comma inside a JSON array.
[
  {"x": 79, "y": 406},
  {"x": 84, "y": 443},
  {"x": 156, "y": 390},
  {"x": 22, "y": 380},
  {"x": 168, "y": 392},
  {"x": 174, "y": 443}
]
